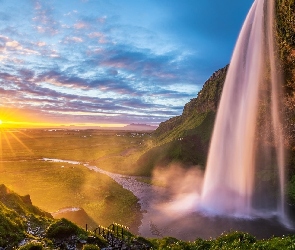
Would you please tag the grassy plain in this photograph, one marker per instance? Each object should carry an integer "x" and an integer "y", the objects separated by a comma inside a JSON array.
[{"x": 54, "y": 185}]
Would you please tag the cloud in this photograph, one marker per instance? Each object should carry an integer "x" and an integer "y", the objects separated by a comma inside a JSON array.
[
  {"x": 13, "y": 44},
  {"x": 44, "y": 19},
  {"x": 73, "y": 39},
  {"x": 14, "y": 48},
  {"x": 74, "y": 12},
  {"x": 102, "y": 20},
  {"x": 3, "y": 38},
  {"x": 38, "y": 5},
  {"x": 28, "y": 91},
  {"x": 41, "y": 44},
  {"x": 100, "y": 36},
  {"x": 82, "y": 62},
  {"x": 81, "y": 25},
  {"x": 59, "y": 79},
  {"x": 142, "y": 63},
  {"x": 26, "y": 74}
]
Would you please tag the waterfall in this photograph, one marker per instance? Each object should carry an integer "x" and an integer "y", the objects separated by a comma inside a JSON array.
[{"x": 245, "y": 168}]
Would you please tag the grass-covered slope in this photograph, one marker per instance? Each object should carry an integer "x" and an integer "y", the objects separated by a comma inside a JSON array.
[
  {"x": 56, "y": 185},
  {"x": 18, "y": 217},
  {"x": 20, "y": 204},
  {"x": 12, "y": 226},
  {"x": 195, "y": 110},
  {"x": 186, "y": 138},
  {"x": 25, "y": 226}
]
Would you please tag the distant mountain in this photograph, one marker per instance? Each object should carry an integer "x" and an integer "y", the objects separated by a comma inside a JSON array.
[{"x": 139, "y": 127}]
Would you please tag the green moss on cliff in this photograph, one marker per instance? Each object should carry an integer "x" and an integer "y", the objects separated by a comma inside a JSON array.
[
  {"x": 285, "y": 18},
  {"x": 186, "y": 138}
]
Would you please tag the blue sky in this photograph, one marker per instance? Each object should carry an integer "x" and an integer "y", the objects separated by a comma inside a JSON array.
[{"x": 111, "y": 61}]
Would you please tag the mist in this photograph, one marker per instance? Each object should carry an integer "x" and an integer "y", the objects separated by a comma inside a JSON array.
[{"x": 176, "y": 192}]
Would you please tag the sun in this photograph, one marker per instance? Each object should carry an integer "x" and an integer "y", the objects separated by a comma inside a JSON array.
[{"x": 1, "y": 122}]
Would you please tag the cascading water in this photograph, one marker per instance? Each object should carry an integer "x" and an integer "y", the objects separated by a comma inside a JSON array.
[{"x": 245, "y": 168}]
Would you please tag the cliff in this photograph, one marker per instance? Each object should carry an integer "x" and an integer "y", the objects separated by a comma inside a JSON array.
[
  {"x": 206, "y": 101},
  {"x": 186, "y": 138}
]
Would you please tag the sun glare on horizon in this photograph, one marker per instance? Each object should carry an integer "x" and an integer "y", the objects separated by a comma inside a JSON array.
[{"x": 11, "y": 132}]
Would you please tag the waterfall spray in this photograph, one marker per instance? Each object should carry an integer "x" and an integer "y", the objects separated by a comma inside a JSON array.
[{"x": 245, "y": 167}]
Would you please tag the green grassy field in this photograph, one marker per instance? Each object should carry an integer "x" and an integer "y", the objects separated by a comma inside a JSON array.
[
  {"x": 111, "y": 150},
  {"x": 54, "y": 185}
]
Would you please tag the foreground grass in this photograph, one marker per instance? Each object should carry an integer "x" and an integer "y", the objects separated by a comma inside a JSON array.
[
  {"x": 230, "y": 241},
  {"x": 25, "y": 226}
]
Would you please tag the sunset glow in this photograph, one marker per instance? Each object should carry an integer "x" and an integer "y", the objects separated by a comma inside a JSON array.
[
  {"x": 18, "y": 118},
  {"x": 108, "y": 63},
  {"x": 20, "y": 125}
]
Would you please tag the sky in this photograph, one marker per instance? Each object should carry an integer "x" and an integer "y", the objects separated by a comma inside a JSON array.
[{"x": 110, "y": 62}]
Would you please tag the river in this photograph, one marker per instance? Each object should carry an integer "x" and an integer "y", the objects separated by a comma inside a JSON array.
[
  {"x": 183, "y": 224},
  {"x": 145, "y": 193}
]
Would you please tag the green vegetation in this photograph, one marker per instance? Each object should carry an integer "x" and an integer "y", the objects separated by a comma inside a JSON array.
[
  {"x": 63, "y": 229},
  {"x": 18, "y": 216},
  {"x": 25, "y": 225},
  {"x": 187, "y": 143},
  {"x": 11, "y": 227},
  {"x": 32, "y": 246},
  {"x": 285, "y": 10},
  {"x": 230, "y": 241},
  {"x": 110, "y": 150},
  {"x": 54, "y": 185},
  {"x": 90, "y": 247},
  {"x": 37, "y": 230},
  {"x": 185, "y": 139},
  {"x": 285, "y": 18}
]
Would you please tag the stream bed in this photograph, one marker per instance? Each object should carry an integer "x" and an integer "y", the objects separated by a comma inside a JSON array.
[{"x": 183, "y": 224}]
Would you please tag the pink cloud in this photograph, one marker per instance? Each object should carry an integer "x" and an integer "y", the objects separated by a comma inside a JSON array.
[
  {"x": 41, "y": 44},
  {"x": 44, "y": 19},
  {"x": 95, "y": 35},
  {"x": 102, "y": 38},
  {"x": 81, "y": 25},
  {"x": 102, "y": 19},
  {"x": 73, "y": 39}
]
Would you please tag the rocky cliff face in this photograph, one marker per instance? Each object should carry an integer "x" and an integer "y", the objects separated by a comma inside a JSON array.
[
  {"x": 186, "y": 138},
  {"x": 285, "y": 19},
  {"x": 206, "y": 101},
  {"x": 168, "y": 125},
  {"x": 208, "y": 98},
  {"x": 285, "y": 13},
  {"x": 190, "y": 122}
]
